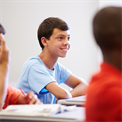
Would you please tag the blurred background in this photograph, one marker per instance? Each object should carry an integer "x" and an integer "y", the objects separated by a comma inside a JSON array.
[{"x": 21, "y": 19}]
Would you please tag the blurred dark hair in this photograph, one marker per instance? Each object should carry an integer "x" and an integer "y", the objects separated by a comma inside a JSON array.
[
  {"x": 2, "y": 30},
  {"x": 107, "y": 27},
  {"x": 48, "y": 25}
]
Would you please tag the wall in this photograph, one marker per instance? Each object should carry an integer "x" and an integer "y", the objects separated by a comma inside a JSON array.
[
  {"x": 104, "y": 3},
  {"x": 21, "y": 19}
]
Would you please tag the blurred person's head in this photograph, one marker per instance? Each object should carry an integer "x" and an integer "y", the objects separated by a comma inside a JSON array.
[
  {"x": 107, "y": 27},
  {"x": 107, "y": 30}
]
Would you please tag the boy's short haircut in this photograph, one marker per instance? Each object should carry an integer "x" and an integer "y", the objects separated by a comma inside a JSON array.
[
  {"x": 48, "y": 25},
  {"x": 107, "y": 27}
]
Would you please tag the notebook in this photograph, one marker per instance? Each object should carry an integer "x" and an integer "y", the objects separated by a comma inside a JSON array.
[
  {"x": 35, "y": 110},
  {"x": 32, "y": 110},
  {"x": 73, "y": 101}
]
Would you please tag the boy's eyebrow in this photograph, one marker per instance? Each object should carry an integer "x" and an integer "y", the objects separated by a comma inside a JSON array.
[{"x": 62, "y": 35}]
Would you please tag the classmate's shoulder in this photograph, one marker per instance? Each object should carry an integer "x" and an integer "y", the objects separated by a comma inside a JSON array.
[
  {"x": 59, "y": 66},
  {"x": 62, "y": 69},
  {"x": 105, "y": 80},
  {"x": 104, "y": 86},
  {"x": 32, "y": 59},
  {"x": 12, "y": 89}
]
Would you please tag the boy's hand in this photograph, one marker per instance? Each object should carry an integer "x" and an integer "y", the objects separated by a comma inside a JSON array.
[{"x": 33, "y": 98}]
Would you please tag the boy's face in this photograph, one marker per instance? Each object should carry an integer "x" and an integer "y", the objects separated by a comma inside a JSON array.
[{"x": 58, "y": 44}]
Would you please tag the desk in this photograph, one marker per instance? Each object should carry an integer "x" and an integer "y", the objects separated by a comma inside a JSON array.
[{"x": 74, "y": 116}]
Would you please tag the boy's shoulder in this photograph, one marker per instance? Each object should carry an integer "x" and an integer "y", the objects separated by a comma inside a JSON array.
[
  {"x": 32, "y": 60},
  {"x": 59, "y": 66}
]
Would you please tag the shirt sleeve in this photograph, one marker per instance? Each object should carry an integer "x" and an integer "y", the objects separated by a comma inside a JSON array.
[
  {"x": 64, "y": 73},
  {"x": 12, "y": 96},
  {"x": 39, "y": 77}
]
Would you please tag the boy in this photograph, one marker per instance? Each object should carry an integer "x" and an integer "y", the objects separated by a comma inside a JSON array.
[
  {"x": 8, "y": 94},
  {"x": 104, "y": 96},
  {"x": 43, "y": 74}
]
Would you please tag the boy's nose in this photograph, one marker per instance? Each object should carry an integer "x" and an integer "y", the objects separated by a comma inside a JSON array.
[{"x": 66, "y": 42}]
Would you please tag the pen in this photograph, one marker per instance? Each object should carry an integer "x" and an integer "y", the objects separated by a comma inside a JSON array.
[{"x": 25, "y": 95}]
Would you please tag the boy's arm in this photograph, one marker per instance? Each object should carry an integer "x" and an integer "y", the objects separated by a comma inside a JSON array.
[
  {"x": 79, "y": 85},
  {"x": 4, "y": 70},
  {"x": 58, "y": 91},
  {"x": 79, "y": 88}
]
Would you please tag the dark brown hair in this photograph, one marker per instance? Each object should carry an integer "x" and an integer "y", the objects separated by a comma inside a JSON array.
[
  {"x": 2, "y": 30},
  {"x": 107, "y": 27}
]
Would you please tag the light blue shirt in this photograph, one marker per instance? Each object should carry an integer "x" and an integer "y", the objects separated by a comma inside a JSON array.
[{"x": 35, "y": 76}]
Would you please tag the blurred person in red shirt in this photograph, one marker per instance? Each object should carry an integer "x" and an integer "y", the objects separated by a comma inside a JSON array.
[{"x": 104, "y": 94}]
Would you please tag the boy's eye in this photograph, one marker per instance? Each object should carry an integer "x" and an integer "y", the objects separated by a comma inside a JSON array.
[
  {"x": 68, "y": 38},
  {"x": 60, "y": 37}
]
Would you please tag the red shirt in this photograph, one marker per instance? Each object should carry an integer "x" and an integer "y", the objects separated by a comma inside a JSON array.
[
  {"x": 104, "y": 95},
  {"x": 12, "y": 96}
]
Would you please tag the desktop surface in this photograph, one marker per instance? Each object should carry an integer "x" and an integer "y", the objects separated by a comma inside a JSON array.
[{"x": 77, "y": 115}]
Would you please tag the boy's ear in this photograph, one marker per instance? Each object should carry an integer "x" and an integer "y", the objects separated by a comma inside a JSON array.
[{"x": 44, "y": 41}]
